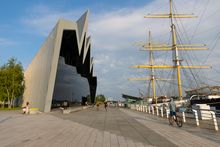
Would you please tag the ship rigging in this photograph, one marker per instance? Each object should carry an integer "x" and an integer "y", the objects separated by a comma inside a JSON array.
[{"x": 174, "y": 47}]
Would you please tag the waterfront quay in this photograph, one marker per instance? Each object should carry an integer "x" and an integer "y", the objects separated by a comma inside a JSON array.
[{"x": 117, "y": 127}]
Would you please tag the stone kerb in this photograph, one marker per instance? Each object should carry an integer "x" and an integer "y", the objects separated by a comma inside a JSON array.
[
  {"x": 34, "y": 111},
  {"x": 69, "y": 110}
]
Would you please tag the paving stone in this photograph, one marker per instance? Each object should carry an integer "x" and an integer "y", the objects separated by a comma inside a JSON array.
[{"x": 92, "y": 128}]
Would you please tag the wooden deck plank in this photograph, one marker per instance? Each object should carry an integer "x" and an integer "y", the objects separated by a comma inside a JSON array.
[
  {"x": 107, "y": 139},
  {"x": 99, "y": 139},
  {"x": 130, "y": 143},
  {"x": 91, "y": 141},
  {"x": 121, "y": 141},
  {"x": 114, "y": 140}
]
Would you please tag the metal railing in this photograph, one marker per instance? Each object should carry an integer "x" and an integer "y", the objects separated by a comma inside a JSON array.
[{"x": 203, "y": 118}]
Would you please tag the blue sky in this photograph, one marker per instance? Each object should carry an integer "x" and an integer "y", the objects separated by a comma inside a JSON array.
[
  {"x": 115, "y": 26},
  {"x": 18, "y": 39}
]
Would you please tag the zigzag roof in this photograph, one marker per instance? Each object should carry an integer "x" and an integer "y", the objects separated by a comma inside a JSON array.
[{"x": 41, "y": 73}]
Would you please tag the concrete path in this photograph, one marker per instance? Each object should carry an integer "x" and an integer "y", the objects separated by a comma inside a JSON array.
[
  {"x": 185, "y": 136},
  {"x": 92, "y": 128},
  {"x": 117, "y": 123}
]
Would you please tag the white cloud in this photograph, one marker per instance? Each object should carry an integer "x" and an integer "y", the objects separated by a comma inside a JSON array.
[
  {"x": 4, "y": 41},
  {"x": 43, "y": 19},
  {"x": 115, "y": 31},
  {"x": 113, "y": 34}
]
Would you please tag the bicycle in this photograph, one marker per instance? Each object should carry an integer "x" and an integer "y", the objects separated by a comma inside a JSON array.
[{"x": 177, "y": 119}]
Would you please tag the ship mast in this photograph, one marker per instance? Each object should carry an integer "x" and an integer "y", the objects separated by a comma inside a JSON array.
[
  {"x": 151, "y": 61},
  {"x": 152, "y": 77},
  {"x": 176, "y": 59},
  {"x": 174, "y": 47}
]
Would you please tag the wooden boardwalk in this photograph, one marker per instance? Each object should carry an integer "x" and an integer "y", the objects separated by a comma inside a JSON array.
[{"x": 91, "y": 128}]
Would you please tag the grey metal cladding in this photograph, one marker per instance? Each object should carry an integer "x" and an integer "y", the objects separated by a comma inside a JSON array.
[{"x": 40, "y": 75}]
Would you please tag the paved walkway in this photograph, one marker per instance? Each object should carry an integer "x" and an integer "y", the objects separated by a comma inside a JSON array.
[
  {"x": 185, "y": 136},
  {"x": 91, "y": 128}
]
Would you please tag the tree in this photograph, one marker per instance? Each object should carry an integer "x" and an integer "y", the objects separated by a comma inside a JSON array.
[
  {"x": 12, "y": 79},
  {"x": 3, "y": 95},
  {"x": 100, "y": 98}
]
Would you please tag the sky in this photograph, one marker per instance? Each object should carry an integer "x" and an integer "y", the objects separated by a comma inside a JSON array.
[{"x": 116, "y": 27}]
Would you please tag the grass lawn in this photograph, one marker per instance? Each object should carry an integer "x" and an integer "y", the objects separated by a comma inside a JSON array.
[{"x": 16, "y": 108}]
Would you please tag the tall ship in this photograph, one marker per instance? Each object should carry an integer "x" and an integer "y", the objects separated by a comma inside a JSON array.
[{"x": 177, "y": 66}]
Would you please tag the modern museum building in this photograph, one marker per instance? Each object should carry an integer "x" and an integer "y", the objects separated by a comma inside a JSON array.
[{"x": 62, "y": 69}]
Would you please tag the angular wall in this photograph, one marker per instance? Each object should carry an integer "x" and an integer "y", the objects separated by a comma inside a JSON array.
[
  {"x": 67, "y": 47},
  {"x": 69, "y": 84}
]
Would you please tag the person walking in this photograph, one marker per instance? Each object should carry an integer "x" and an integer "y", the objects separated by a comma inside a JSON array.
[
  {"x": 106, "y": 105},
  {"x": 97, "y": 106}
]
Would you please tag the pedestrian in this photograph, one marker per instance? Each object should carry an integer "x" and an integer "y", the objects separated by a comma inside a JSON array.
[
  {"x": 97, "y": 106},
  {"x": 26, "y": 108},
  {"x": 106, "y": 105}
]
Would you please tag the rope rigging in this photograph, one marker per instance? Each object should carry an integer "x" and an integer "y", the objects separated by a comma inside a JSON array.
[
  {"x": 200, "y": 20},
  {"x": 187, "y": 53},
  {"x": 192, "y": 78},
  {"x": 213, "y": 47}
]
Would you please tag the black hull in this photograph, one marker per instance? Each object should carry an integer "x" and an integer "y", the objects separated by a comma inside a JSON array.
[{"x": 211, "y": 102}]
